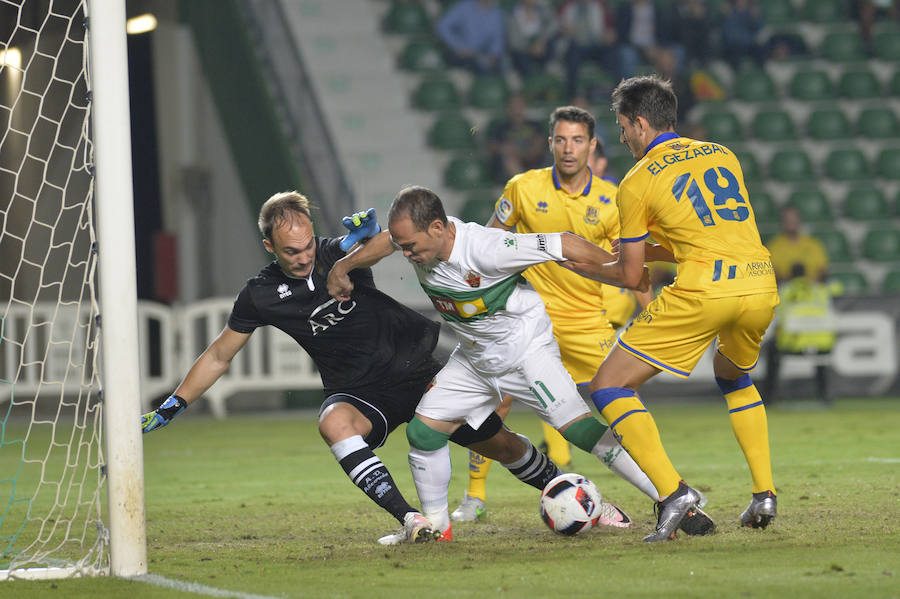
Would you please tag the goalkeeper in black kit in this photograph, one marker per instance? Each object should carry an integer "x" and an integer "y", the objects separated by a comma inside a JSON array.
[{"x": 374, "y": 356}]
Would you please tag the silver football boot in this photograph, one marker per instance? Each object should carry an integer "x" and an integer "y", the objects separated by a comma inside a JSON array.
[
  {"x": 761, "y": 511},
  {"x": 671, "y": 511}
]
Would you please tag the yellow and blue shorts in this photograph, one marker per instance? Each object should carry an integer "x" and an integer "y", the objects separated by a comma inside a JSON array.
[
  {"x": 677, "y": 327},
  {"x": 583, "y": 344}
]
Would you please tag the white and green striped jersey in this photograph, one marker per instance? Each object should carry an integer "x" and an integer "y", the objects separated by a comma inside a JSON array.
[{"x": 480, "y": 292}]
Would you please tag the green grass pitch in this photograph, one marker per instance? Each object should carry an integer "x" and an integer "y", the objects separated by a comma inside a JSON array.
[{"x": 257, "y": 505}]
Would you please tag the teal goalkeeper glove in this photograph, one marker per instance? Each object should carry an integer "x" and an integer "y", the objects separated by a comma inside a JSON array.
[
  {"x": 362, "y": 225},
  {"x": 163, "y": 415}
]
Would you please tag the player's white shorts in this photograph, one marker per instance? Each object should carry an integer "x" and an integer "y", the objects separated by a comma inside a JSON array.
[{"x": 461, "y": 393}]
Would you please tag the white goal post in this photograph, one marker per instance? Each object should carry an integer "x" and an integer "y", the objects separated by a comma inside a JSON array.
[{"x": 71, "y": 465}]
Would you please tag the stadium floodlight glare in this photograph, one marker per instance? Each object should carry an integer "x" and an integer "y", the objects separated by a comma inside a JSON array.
[
  {"x": 11, "y": 57},
  {"x": 140, "y": 24}
]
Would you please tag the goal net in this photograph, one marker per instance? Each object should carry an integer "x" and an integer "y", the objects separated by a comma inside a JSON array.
[{"x": 52, "y": 476}]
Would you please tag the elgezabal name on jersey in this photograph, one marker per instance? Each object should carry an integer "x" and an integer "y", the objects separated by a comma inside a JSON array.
[{"x": 656, "y": 167}]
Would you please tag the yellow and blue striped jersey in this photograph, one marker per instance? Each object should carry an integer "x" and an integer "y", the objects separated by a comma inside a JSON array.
[
  {"x": 690, "y": 197},
  {"x": 535, "y": 202}
]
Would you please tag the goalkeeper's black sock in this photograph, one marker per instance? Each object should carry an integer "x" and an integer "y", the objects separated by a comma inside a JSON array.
[
  {"x": 534, "y": 468},
  {"x": 368, "y": 473}
]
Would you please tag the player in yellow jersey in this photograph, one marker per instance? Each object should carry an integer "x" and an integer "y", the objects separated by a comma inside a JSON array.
[
  {"x": 689, "y": 196},
  {"x": 566, "y": 197}
]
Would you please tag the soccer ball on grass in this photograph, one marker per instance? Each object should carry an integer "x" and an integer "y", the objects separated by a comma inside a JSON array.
[{"x": 570, "y": 504}]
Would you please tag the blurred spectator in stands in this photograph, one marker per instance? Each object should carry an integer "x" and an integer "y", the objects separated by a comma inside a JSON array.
[
  {"x": 645, "y": 28},
  {"x": 741, "y": 24},
  {"x": 515, "y": 142},
  {"x": 697, "y": 40},
  {"x": 588, "y": 33},
  {"x": 530, "y": 32},
  {"x": 474, "y": 33},
  {"x": 667, "y": 68},
  {"x": 867, "y": 11},
  {"x": 792, "y": 246},
  {"x": 785, "y": 44}
]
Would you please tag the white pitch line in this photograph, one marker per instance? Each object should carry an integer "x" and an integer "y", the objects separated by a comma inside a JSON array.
[{"x": 195, "y": 587}]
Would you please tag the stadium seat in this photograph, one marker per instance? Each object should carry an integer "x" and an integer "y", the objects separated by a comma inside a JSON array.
[
  {"x": 891, "y": 283},
  {"x": 791, "y": 165},
  {"x": 811, "y": 203},
  {"x": 777, "y": 12},
  {"x": 451, "y": 131},
  {"x": 422, "y": 56},
  {"x": 877, "y": 123},
  {"x": 488, "y": 92},
  {"x": 886, "y": 45},
  {"x": 436, "y": 94},
  {"x": 846, "y": 164},
  {"x": 466, "y": 173},
  {"x": 882, "y": 244},
  {"x": 765, "y": 209},
  {"x": 852, "y": 282},
  {"x": 754, "y": 85},
  {"x": 828, "y": 124},
  {"x": 835, "y": 243},
  {"x": 866, "y": 203},
  {"x": 825, "y": 11},
  {"x": 543, "y": 89},
  {"x": 773, "y": 125},
  {"x": 749, "y": 166},
  {"x": 859, "y": 84},
  {"x": 479, "y": 206},
  {"x": 620, "y": 164},
  {"x": 842, "y": 46},
  {"x": 895, "y": 84},
  {"x": 889, "y": 163},
  {"x": 406, "y": 17},
  {"x": 811, "y": 85},
  {"x": 722, "y": 126}
]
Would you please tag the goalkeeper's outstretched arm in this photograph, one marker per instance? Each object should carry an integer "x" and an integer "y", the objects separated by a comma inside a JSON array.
[{"x": 211, "y": 365}]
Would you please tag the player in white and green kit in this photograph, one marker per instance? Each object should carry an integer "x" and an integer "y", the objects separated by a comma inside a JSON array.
[{"x": 472, "y": 275}]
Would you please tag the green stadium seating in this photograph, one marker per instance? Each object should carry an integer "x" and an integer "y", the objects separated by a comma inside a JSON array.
[
  {"x": 543, "y": 89},
  {"x": 886, "y": 45},
  {"x": 828, "y": 124},
  {"x": 479, "y": 206},
  {"x": 422, "y": 56},
  {"x": 722, "y": 126},
  {"x": 835, "y": 243},
  {"x": 811, "y": 85},
  {"x": 879, "y": 123},
  {"x": 749, "y": 166},
  {"x": 777, "y": 12},
  {"x": 811, "y": 203},
  {"x": 436, "y": 94},
  {"x": 620, "y": 164},
  {"x": 882, "y": 244},
  {"x": 889, "y": 163},
  {"x": 451, "y": 131},
  {"x": 852, "y": 282},
  {"x": 895, "y": 84},
  {"x": 754, "y": 85},
  {"x": 764, "y": 208},
  {"x": 466, "y": 173},
  {"x": 846, "y": 164},
  {"x": 594, "y": 83},
  {"x": 773, "y": 125},
  {"x": 891, "y": 283},
  {"x": 488, "y": 92},
  {"x": 791, "y": 165},
  {"x": 406, "y": 17},
  {"x": 859, "y": 84},
  {"x": 825, "y": 11},
  {"x": 866, "y": 203},
  {"x": 842, "y": 46}
]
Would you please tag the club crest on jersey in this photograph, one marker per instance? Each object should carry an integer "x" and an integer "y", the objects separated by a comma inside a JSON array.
[
  {"x": 472, "y": 278},
  {"x": 543, "y": 207},
  {"x": 677, "y": 146},
  {"x": 592, "y": 215},
  {"x": 283, "y": 291}
]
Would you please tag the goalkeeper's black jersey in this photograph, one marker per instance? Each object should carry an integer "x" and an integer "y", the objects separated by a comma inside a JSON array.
[{"x": 369, "y": 340}]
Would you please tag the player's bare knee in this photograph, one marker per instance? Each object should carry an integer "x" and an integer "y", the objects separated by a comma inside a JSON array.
[{"x": 341, "y": 421}]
